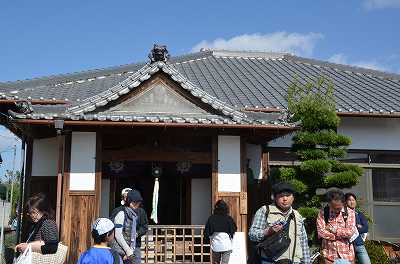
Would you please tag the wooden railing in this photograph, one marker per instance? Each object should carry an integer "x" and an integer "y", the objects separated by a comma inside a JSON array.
[{"x": 175, "y": 244}]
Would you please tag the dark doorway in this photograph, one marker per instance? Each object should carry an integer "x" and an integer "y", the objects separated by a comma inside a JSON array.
[{"x": 174, "y": 206}]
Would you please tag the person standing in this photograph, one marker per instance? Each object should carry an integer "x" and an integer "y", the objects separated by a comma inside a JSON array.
[
  {"x": 100, "y": 253},
  {"x": 280, "y": 216},
  {"x": 336, "y": 224},
  {"x": 125, "y": 220},
  {"x": 362, "y": 227},
  {"x": 141, "y": 224},
  {"x": 219, "y": 229},
  {"x": 43, "y": 234}
]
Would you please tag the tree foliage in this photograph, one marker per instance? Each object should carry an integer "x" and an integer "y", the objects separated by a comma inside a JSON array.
[{"x": 317, "y": 145}]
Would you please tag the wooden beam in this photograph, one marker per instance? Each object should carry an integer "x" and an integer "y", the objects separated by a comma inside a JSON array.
[
  {"x": 156, "y": 155},
  {"x": 149, "y": 124}
]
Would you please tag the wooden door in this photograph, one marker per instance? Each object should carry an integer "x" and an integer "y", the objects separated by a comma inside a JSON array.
[{"x": 237, "y": 201}]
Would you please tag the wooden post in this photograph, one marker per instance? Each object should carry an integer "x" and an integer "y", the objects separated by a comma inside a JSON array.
[
  {"x": 214, "y": 174},
  {"x": 243, "y": 184},
  {"x": 80, "y": 207},
  {"x": 27, "y": 183},
  {"x": 60, "y": 141}
]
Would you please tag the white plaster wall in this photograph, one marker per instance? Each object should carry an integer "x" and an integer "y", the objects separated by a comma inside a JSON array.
[
  {"x": 229, "y": 163},
  {"x": 254, "y": 153},
  {"x": 105, "y": 198},
  {"x": 45, "y": 157},
  {"x": 366, "y": 133},
  {"x": 201, "y": 201},
  {"x": 83, "y": 161},
  {"x": 372, "y": 133}
]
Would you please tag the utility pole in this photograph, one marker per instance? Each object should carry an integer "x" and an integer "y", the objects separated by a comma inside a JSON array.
[{"x": 12, "y": 177}]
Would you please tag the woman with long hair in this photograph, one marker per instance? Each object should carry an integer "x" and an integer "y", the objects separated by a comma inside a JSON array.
[
  {"x": 43, "y": 234},
  {"x": 219, "y": 229}
]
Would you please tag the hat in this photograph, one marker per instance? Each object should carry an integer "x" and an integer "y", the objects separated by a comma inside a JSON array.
[
  {"x": 103, "y": 226},
  {"x": 283, "y": 187},
  {"x": 133, "y": 196},
  {"x": 125, "y": 191}
]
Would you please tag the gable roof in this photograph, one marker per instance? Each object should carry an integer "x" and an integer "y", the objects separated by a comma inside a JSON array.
[{"x": 240, "y": 80}]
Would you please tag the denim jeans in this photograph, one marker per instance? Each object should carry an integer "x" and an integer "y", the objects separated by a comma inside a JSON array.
[
  {"x": 138, "y": 255},
  {"x": 362, "y": 254}
]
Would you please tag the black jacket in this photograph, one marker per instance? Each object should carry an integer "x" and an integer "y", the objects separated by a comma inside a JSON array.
[{"x": 219, "y": 223}]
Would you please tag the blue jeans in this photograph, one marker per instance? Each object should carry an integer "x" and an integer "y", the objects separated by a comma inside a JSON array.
[
  {"x": 362, "y": 254},
  {"x": 138, "y": 256}
]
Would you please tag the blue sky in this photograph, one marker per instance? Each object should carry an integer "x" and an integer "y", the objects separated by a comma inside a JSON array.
[{"x": 48, "y": 37}]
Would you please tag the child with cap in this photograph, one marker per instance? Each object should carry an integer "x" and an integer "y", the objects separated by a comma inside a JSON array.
[{"x": 100, "y": 253}]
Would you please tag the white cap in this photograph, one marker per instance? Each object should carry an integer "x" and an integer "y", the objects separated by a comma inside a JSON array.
[
  {"x": 125, "y": 191},
  {"x": 103, "y": 226}
]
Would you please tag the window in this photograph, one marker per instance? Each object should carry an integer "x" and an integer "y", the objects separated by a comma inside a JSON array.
[{"x": 386, "y": 185}]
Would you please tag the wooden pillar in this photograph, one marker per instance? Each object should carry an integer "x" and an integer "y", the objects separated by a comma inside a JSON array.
[
  {"x": 243, "y": 185},
  {"x": 214, "y": 165},
  {"x": 60, "y": 142},
  {"x": 81, "y": 196},
  {"x": 229, "y": 177},
  {"x": 26, "y": 187}
]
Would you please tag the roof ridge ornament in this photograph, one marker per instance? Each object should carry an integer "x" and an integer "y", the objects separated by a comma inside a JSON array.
[
  {"x": 159, "y": 53},
  {"x": 24, "y": 107}
]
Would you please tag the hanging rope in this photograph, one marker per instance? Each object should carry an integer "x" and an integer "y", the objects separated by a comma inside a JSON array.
[{"x": 154, "y": 212}]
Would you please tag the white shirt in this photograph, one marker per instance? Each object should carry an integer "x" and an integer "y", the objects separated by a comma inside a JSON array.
[{"x": 221, "y": 242}]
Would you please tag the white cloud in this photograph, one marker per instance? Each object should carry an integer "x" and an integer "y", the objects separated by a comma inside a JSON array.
[
  {"x": 340, "y": 58},
  {"x": 297, "y": 43},
  {"x": 381, "y": 4}
]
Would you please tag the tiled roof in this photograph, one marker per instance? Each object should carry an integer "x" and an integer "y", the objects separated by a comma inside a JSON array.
[{"x": 239, "y": 79}]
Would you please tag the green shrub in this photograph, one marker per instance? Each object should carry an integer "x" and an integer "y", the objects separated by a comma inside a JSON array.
[{"x": 376, "y": 252}]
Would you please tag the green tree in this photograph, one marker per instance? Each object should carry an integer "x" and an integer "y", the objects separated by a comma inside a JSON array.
[{"x": 318, "y": 147}]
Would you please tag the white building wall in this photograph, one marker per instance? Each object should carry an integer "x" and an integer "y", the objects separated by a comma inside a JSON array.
[
  {"x": 201, "y": 201},
  {"x": 372, "y": 133},
  {"x": 83, "y": 161},
  {"x": 366, "y": 133},
  {"x": 45, "y": 157},
  {"x": 229, "y": 164}
]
